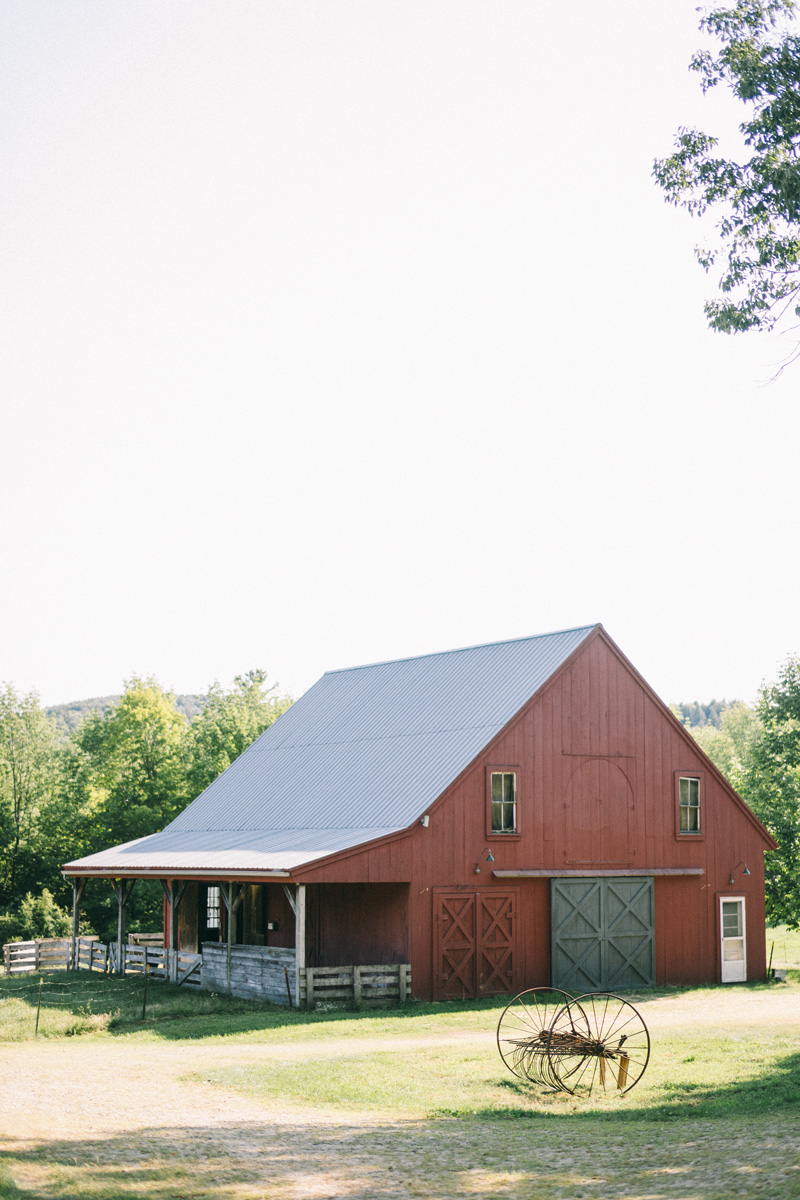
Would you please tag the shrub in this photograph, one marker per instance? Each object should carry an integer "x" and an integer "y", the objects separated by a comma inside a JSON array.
[{"x": 35, "y": 917}]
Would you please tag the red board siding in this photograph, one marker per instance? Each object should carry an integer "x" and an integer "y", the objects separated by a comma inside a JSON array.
[{"x": 596, "y": 755}]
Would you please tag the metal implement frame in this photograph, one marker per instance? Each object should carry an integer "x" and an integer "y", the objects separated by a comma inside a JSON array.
[{"x": 573, "y": 1044}]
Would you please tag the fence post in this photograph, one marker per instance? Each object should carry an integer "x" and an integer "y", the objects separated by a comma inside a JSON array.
[
  {"x": 357, "y": 987},
  {"x": 7, "y": 958}
]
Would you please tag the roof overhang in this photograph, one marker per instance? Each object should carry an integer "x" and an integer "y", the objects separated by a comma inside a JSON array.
[{"x": 253, "y": 876}]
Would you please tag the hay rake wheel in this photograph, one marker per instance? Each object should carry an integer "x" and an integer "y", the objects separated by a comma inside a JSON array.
[
  {"x": 574, "y": 1045},
  {"x": 527, "y": 1027}
]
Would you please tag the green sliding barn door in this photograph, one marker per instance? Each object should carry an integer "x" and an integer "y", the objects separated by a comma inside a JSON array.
[{"x": 602, "y": 934}]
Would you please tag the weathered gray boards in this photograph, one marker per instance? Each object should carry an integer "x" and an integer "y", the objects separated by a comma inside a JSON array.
[
  {"x": 257, "y": 972},
  {"x": 268, "y": 973}
]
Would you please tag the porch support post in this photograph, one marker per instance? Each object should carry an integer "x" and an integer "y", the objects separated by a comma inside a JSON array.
[
  {"x": 174, "y": 894},
  {"x": 299, "y": 938},
  {"x": 122, "y": 890},
  {"x": 78, "y": 887},
  {"x": 232, "y": 901}
]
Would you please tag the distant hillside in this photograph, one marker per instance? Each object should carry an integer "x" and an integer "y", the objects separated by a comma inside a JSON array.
[
  {"x": 697, "y": 715},
  {"x": 69, "y": 716}
]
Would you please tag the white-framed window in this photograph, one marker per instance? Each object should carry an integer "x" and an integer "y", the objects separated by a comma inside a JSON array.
[
  {"x": 212, "y": 908},
  {"x": 689, "y": 804},
  {"x": 503, "y": 802},
  {"x": 732, "y": 939}
]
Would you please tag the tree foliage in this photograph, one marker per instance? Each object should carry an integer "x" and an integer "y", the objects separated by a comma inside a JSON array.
[
  {"x": 771, "y": 786},
  {"x": 755, "y": 196},
  {"x": 229, "y": 723},
  {"x": 134, "y": 762},
  {"x": 123, "y": 773},
  {"x": 731, "y": 745},
  {"x": 28, "y": 773}
]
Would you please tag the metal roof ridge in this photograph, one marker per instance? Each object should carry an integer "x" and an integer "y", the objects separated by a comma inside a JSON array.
[{"x": 533, "y": 637}]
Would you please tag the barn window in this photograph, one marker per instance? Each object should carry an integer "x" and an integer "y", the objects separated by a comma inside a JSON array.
[
  {"x": 689, "y": 804},
  {"x": 504, "y": 802},
  {"x": 212, "y": 908}
]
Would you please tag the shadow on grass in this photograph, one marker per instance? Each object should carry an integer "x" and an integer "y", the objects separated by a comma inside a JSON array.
[
  {"x": 776, "y": 1089},
  {"x": 364, "y": 1161}
]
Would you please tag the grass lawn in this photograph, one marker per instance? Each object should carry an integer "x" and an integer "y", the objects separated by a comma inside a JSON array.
[
  {"x": 786, "y": 942},
  {"x": 211, "y": 1099}
]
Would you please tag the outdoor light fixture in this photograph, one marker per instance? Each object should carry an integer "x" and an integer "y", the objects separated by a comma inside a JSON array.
[
  {"x": 425, "y": 821},
  {"x": 489, "y": 858},
  {"x": 731, "y": 880}
]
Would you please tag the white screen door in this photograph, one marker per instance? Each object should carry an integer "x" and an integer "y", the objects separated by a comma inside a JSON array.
[{"x": 732, "y": 939}]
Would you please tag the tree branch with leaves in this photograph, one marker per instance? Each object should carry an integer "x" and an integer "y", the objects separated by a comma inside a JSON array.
[{"x": 757, "y": 196}]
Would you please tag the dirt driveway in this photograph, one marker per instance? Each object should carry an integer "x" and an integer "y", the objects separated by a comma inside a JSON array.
[{"x": 116, "y": 1117}]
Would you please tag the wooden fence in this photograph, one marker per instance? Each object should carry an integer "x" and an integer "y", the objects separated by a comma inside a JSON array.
[
  {"x": 51, "y": 954},
  {"x": 363, "y": 987},
  {"x": 55, "y": 954},
  {"x": 256, "y": 972}
]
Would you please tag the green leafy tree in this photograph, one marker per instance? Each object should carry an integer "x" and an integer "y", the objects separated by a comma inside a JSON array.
[
  {"x": 129, "y": 781},
  {"x": 756, "y": 196},
  {"x": 28, "y": 781},
  {"x": 228, "y": 724},
  {"x": 133, "y": 759},
  {"x": 770, "y": 783},
  {"x": 731, "y": 746}
]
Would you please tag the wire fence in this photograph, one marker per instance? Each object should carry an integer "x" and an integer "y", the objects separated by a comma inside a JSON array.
[{"x": 68, "y": 1004}]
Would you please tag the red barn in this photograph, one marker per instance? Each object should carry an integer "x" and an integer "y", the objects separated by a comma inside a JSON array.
[{"x": 500, "y": 817}]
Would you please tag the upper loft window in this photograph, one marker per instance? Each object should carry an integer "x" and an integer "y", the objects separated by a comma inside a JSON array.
[
  {"x": 504, "y": 802},
  {"x": 689, "y": 804}
]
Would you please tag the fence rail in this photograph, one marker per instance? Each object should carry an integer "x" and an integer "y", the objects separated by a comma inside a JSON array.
[
  {"x": 55, "y": 954},
  {"x": 366, "y": 987}
]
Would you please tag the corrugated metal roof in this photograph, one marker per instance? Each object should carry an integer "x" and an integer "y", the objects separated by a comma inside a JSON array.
[{"x": 362, "y": 754}]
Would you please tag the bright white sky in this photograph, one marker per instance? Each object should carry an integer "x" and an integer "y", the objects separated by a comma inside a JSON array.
[{"x": 343, "y": 331}]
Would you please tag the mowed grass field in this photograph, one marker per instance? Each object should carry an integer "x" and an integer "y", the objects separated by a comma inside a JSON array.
[{"x": 211, "y": 1099}]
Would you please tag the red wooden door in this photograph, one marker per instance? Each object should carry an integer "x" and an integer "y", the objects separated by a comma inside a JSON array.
[{"x": 475, "y": 944}]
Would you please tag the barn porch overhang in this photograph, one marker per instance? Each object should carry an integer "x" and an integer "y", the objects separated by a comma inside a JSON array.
[
  {"x": 256, "y": 875},
  {"x": 592, "y": 872}
]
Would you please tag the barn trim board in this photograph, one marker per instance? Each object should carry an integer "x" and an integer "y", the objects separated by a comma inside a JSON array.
[{"x": 371, "y": 793}]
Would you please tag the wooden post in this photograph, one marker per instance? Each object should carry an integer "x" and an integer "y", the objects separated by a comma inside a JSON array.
[
  {"x": 227, "y": 891},
  {"x": 299, "y": 937},
  {"x": 7, "y": 958},
  {"x": 122, "y": 890},
  {"x": 310, "y": 1001},
  {"x": 232, "y": 902},
  {"x": 119, "y": 888},
  {"x": 357, "y": 987},
  {"x": 174, "y": 895},
  {"x": 78, "y": 886},
  {"x": 402, "y": 984}
]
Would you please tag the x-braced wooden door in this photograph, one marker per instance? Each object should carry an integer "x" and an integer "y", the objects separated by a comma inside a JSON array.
[
  {"x": 475, "y": 943},
  {"x": 603, "y": 933}
]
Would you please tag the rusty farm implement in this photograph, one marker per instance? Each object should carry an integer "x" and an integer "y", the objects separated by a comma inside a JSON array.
[{"x": 574, "y": 1044}]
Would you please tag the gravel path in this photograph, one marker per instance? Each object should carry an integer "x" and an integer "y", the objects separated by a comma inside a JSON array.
[{"x": 89, "y": 1116}]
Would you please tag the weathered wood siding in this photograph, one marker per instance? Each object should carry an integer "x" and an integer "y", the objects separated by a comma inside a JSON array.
[
  {"x": 257, "y": 972},
  {"x": 595, "y": 755}
]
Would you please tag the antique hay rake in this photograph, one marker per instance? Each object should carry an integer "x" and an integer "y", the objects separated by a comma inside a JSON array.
[{"x": 571, "y": 1044}]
